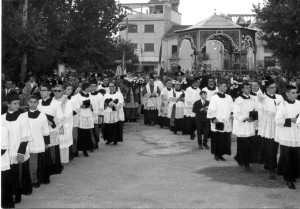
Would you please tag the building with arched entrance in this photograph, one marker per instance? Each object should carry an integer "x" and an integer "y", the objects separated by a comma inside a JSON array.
[{"x": 220, "y": 44}]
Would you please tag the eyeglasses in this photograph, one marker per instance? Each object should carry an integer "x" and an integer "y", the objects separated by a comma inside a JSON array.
[{"x": 57, "y": 91}]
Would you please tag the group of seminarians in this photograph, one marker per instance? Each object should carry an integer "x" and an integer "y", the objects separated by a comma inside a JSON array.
[
  {"x": 261, "y": 121},
  {"x": 37, "y": 143}
]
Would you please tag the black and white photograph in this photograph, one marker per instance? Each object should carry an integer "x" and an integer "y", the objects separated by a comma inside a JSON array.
[{"x": 150, "y": 104}]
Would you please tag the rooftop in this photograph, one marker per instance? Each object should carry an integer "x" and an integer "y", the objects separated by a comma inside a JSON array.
[{"x": 171, "y": 33}]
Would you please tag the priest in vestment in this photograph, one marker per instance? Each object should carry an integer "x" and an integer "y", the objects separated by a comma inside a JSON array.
[
  {"x": 287, "y": 134},
  {"x": 113, "y": 116},
  {"x": 176, "y": 108},
  {"x": 269, "y": 103},
  {"x": 220, "y": 111},
  {"x": 243, "y": 126},
  {"x": 151, "y": 93},
  {"x": 163, "y": 119}
]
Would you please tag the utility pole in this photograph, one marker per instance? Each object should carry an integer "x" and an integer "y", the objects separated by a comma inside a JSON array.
[
  {"x": 126, "y": 39},
  {"x": 24, "y": 26}
]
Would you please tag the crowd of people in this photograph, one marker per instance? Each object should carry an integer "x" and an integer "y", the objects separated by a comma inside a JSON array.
[{"x": 49, "y": 120}]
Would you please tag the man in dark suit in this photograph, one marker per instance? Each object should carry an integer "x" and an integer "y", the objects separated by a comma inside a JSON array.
[
  {"x": 200, "y": 109},
  {"x": 4, "y": 93}
]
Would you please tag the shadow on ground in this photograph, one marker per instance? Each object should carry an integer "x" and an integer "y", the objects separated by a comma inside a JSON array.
[{"x": 257, "y": 178}]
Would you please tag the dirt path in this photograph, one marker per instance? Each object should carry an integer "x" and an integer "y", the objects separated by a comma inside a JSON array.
[{"x": 153, "y": 168}]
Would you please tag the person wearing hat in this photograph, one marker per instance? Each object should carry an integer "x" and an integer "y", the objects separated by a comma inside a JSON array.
[
  {"x": 287, "y": 134},
  {"x": 163, "y": 119},
  {"x": 192, "y": 94},
  {"x": 269, "y": 103},
  {"x": 176, "y": 108},
  {"x": 18, "y": 137},
  {"x": 151, "y": 93}
]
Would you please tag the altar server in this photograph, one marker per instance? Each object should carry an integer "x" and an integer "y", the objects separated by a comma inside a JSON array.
[
  {"x": 40, "y": 134},
  {"x": 113, "y": 116},
  {"x": 211, "y": 89},
  {"x": 220, "y": 112},
  {"x": 52, "y": 109},
  {"x": 18, "y": 137},
  {"x": 287, "y": 134},
  {"x": 244, "y": 112},
  {"x": 269, "y": 103}
]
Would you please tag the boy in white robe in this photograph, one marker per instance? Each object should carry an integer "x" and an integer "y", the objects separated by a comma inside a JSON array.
[
  {"x": 287, "y": 134},
  {"x": 7, "y": 200},
  {"x": 65, "y": 131},
  {"x": 268, "y": 106},
  {"x": 243, "y": 126},
  {"x": 53, "y": 111},
  {"x": 220, "y": 111},
  {"x": 40, "y": 134},
  {"x": 19, "y": 136},
  {"x": 192, "y": 94}
]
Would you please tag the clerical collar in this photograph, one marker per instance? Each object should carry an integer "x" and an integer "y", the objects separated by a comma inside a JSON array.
[
  {"x": 178, "y": 90},
  {"x": 221, "y": 95},
  {"x": 194, "y": 87},
  {"x": 33, "y": 114},
  {"x": 83, "y": 94},
  {"x": 69, "y": 97},
  {"x": 169, "y": 89},
  {"x": 12, "y": 116},
  {"x": 105, "y": 86},
  {"x": 211, "y": 88},
  {"x": 94, "y": 93},
  {"x": 289, "y": 101},
  {"x": 245, "y": 97},
  {"x": 253, "y": 94},
  {"x": 113, "y": 92},
  {"x": 271, "y": 96},
  {"x": 46, "y": 102}
]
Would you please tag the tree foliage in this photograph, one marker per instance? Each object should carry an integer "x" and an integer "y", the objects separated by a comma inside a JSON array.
[
  {"x": 279, "y": 21},
  {"x": 79, "y": 33}
]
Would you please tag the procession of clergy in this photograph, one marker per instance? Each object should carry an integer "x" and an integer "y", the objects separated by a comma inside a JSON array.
[{"x": 36, "y": 144}]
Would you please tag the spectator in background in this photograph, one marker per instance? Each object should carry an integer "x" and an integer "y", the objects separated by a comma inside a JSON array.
[{"x": 24, "y": 98}]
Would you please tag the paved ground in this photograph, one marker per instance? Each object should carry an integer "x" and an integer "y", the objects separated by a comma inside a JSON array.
[{"x": 153, "y": 168}]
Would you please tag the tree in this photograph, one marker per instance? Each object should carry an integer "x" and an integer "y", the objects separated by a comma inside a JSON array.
[
  {"x": 122, "y": 45},
  {"x": 90, "y": 41},
  {"x": 280, "y": 25}
]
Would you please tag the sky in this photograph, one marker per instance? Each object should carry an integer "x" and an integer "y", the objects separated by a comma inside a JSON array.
[{"x": 194, "y": 11}]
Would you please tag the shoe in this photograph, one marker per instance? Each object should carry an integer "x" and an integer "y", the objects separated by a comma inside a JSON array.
[
  {"x": 216, "y": 157},
  {"x": 91, "y": 150},
  {"x": 85, "y": 154},
  {"x": 115, "y": 143},
  {"x": 222, "y": 158},
  {"x": 206, "y": 146},
  {"x": 76, "y": 154},
  {"x": 36, "y": 185},
  {"x": 62, "y": 168},
  {"x": 200, "y": 147},
  {"x": 18, "y": 199},
  {"x": 175, "y": 132},
  {"x": 290, "y": 185},
  {"x": 107, "y": 142},
  {"x": 272, "y": 175},
  {"x": 193, "y": 136},
  {"x": 248, "y": 169},
  {"x": 96, "y": 146}
]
